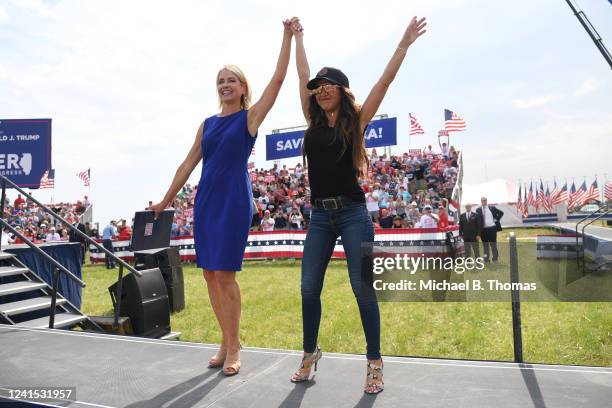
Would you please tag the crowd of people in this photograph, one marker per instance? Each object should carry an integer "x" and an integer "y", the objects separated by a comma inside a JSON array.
[
  {"x": 35, "y": 224},
  {"x": 411, "y": 190}
]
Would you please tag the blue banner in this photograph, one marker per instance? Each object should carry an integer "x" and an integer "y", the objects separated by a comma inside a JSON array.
[
  {"x": 380, "y": 132},
  {"x": 25, "y": 150}
]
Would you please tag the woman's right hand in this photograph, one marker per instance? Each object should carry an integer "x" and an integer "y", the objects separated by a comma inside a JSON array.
[
  {"x": 296, "y": 28},
  {"x": 158, "y": 208}
]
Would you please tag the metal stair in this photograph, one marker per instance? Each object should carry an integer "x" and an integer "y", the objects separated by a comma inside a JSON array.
[{"x": 34, "y": 310}]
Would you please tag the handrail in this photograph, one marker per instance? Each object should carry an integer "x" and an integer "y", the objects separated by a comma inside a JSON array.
[
  {"x": 57, "y": 267},
  {"x": 43, "y": 253},
  {"x": 65, "y": 223},
  {"x": 583, "y": 220}
]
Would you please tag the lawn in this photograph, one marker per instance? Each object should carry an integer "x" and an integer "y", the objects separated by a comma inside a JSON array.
[{"x": 553, "y": 332}]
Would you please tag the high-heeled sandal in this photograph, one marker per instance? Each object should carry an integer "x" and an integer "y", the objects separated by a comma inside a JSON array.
[
  {"x": 216, "y": 360},
  {"x": 307, "y": 362},
  {"x": 233, "y": 368},
  {"x": 374, "y": 379}
]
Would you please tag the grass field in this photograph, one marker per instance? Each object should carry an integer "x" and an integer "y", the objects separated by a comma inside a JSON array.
[{"x": 553, "y": 332}]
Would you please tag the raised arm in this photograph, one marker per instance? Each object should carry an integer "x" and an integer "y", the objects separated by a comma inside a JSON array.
[
  {"x": 182, "y": 173},
  {"x": 302, "y": 67},
  {"x": 258, "y": 112},
  {"x": 414, "y": 30}
]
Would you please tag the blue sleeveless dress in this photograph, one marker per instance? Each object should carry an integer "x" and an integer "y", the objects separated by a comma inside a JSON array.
[{"x": 222, "y": 209}]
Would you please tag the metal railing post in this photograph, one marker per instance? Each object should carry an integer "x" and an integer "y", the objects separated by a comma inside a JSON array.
[
  {"x": 54, "y": 296},
  {"x": 516, "y": 302},
  {"x": 118, "y": 296}
]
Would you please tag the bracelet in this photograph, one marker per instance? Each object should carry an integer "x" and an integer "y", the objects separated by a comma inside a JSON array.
[{"x": 403, "y": 49}]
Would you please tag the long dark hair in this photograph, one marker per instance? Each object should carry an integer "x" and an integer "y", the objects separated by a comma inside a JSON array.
[{"x": 346, "y": 128}]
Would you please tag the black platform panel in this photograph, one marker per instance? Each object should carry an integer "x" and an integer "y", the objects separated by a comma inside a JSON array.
[
  {"x": 144, "y": 300},
  {"x": 169, "y": 263},
  {"x": 150, "y": 233}
]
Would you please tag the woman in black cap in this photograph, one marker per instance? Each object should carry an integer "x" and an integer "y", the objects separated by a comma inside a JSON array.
[{"x": 334, "y": 150}]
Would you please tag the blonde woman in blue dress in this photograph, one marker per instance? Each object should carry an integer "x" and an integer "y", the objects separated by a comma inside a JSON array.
[{"x": 222, "y": 208}]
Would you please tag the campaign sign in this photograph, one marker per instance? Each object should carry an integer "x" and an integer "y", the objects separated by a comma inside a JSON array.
[
  {"x": 283, "y": 145},
  {"x": 380, "y": 132},
  {"x": 25, "y": 150}
]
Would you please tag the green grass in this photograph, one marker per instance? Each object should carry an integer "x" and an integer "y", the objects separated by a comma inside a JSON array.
[{"x": 553, "y": 332}]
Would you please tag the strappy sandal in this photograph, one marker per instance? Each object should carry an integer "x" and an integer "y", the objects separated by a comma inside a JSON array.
[
  {"x": 233, "y": 368},
  {"x": 307, "y": 362},
  {"x": 374, "y": 379},
  {"x": 218, "y": 359}
]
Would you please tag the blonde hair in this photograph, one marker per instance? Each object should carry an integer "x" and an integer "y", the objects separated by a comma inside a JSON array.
[{"x": 245, "y": 100}]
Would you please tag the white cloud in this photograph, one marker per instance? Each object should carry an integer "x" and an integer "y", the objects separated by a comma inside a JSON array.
[
  {"x": 4, "y": 18},
  {"x": 586, "y": 87},
  {"x": 533, "y": 102}
]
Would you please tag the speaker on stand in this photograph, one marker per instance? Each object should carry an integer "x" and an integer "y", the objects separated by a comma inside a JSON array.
[
  {"x": 169, "y": 263},
  {"x": 144, "y": 300}
]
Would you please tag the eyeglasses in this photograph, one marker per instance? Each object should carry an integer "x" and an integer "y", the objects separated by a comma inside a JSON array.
[{"x": 327, "y": 88}]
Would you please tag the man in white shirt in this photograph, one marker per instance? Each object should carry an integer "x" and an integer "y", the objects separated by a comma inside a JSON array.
[
  {"x": 490, "y": 218},
  {"x": 427, "y": 219},
  {"x": 52, "y": 235}
]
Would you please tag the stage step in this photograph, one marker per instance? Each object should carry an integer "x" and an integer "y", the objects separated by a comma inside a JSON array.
[
  {"x": 11, "y": 270},
  {"x": 61, "y": 320},
  {"x": 171, "y": 336},
  {"x": 19, "y": 287},
  {"x": 6, "y": 255},
  {"x": 28, "y": 305}
]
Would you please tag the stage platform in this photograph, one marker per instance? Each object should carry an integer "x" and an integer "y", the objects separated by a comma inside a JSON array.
[
  {"x": 113, "y": 371},
  {"x": 597, "y": 240}
]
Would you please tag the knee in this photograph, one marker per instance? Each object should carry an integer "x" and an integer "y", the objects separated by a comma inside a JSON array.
[
  {"x": 209, "y": 276},
  {"x": 225, "y": 279}
]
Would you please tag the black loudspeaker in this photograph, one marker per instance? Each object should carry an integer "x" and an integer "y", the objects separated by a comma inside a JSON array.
[
  {"x": 169, "y": 263},
  {"x": 144, "y": 300}
]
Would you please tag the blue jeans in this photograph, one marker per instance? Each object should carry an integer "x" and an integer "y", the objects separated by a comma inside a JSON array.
[{"x": 353, "y": 224}]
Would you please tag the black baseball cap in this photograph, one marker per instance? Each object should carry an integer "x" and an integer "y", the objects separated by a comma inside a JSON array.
[{"x": 333, "y": 75}]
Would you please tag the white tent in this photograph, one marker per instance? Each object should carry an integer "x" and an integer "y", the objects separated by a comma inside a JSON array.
[{"x": 497, "y": 191}]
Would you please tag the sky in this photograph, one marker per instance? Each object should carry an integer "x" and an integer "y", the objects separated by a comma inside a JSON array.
[{"x": 128, "y": 83}]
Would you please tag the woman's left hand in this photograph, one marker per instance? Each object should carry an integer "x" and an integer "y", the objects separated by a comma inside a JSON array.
[
  {"x": 288, "y": 23},
  {"x": 415, "y": 29}
]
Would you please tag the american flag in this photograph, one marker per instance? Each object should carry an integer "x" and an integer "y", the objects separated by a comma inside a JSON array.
[
  {"x": 547, "y": 202},
  {"x": 415, "y": 126},
  {"x": 572, "y": 196},
  {"x": 452, "y": 121},
  {"x": 84, "y": 175},
  {"x": 540, "y": 196},
  {"x": 519, "y": 201},
  {"x": 554, "y": 193},
  {"x": 530, "y": 198},
  {"x": 592, "y": 194},
  {"x": 581, "y": 193},
  {"x": 48, "y": 179},
  {"x": 608, "y": 189},
  {"x": 525, "y": 204},
  {"x": 562, "y": 196}
]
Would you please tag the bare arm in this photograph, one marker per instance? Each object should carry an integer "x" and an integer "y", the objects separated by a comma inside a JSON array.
[
  {"x": 258, "y": 112},
  {"x": 302, "y": 68},
  {"x": 370, "y": 106},
  {"x": 182, "y": 173}
]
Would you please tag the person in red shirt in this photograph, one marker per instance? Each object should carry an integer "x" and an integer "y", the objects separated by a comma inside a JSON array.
[
  {"x": 19, "y": 201},
  {"x": 125, "y": 232},
  {"x": 442, "y": 218}
]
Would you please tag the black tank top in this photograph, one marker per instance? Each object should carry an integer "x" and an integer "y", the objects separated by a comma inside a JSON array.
[{"x": 329, "y": 174}]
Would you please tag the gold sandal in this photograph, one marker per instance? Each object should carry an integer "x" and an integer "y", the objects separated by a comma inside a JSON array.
[
  {"x": 216, "y": 360},
  {"x": 374, "y": 379},
  {"x": 308, "y": 361},
  {"x": 233, "y": 368}
]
